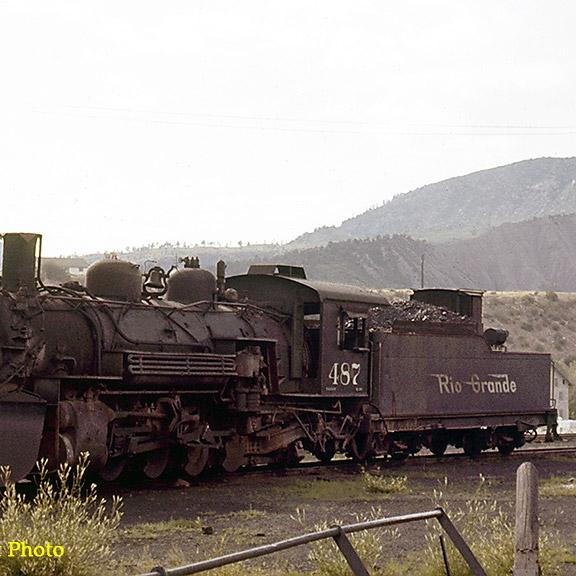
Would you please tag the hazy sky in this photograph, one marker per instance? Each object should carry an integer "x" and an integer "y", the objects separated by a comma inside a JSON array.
[{"x": 128, "y": 122}]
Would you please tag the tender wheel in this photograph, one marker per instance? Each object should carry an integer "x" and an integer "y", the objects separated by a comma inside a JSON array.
[
  {"x": 361, "y": 447},
  {"x": 326, "y": 452},
  {"x": 507, "y": 439},
  {"x": 530, "y": 435},
  {"x": 471, "y": 444},
  {"x": 505, "y": 449},
  {"x": 399, "y": 456},
  {"x": 438, "y": 446},
  {"x": 290, "y": 456}
]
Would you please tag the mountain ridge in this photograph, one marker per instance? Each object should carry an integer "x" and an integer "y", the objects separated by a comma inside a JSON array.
[
  {"x": 531, "y": 255},
  {"x": 438, "y": 212}
]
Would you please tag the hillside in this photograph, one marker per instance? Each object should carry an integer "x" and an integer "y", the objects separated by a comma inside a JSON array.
[
  {"x": 464, "y": 206},
  {"x": 383, "y": 262},
  {"x": 534, "y": 255},
  {"x": 537, "y": 321}
]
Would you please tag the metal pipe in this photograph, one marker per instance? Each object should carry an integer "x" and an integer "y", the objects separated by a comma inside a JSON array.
[
  {"x": 445, "y": 556},
  {"x": 291, "y": 543},
  {"x": 392, "y": 520},
  {"x": 460, "y": 544},
  {"x": 247, "y": 554}
]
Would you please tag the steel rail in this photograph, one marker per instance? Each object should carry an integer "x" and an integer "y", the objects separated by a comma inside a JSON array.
[{"x": 414, "y": 459}]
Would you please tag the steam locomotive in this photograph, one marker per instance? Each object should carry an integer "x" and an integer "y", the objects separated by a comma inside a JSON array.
[{"x": 183, "y": 370}]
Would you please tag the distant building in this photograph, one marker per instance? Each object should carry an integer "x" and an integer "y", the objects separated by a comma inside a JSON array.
[
  {"x": 561, "y": 384},
  {"x": 63, "y": 269},
  {"x": 73, "y": 266}
]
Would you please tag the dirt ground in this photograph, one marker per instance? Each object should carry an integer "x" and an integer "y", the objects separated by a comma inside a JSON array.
[{"x": 170, "y": 526}]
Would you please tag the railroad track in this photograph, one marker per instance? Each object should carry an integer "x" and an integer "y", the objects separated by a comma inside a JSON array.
[
  {"x": 519, "y": 453},
  {"x": 310, "y": 463},
  {"x": 416, "y": 459}
]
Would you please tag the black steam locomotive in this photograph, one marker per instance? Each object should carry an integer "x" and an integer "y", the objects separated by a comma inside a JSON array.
[{"x": 182, "y": 370}]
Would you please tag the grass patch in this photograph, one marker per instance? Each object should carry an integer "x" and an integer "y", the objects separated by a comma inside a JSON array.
[
  {"x": 152, "y": 530},
  {"x": 488, "y": 529},
  {"x": 181, "y": 556},
  {"x": 321, "y": 489},
  {"x": 485, "y": 488},
  {"x": 558, "y": 486},
  {"x": 366, "y": 487},
  {"x": 379, "y": 484},
  {"x": 426, "y": 474},
  {"x": 243, "y": 515}
]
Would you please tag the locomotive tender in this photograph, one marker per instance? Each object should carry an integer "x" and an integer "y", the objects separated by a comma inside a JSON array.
[{"x": 184, "y": 370}]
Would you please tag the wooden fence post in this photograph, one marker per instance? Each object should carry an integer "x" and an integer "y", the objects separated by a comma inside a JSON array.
[{"x": 526, "y": 531}]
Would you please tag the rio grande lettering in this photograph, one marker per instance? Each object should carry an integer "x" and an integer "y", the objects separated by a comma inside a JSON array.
[{"x": 497, "y": 384}]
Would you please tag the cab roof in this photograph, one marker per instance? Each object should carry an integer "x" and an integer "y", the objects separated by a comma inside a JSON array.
[{"x": 275, "y": 287}]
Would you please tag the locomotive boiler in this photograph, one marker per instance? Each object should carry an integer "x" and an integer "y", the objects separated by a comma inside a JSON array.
[{"x": 179, "y": 371}]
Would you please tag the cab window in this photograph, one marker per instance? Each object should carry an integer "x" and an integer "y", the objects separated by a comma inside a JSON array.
[{"x": 351, "y": 331}]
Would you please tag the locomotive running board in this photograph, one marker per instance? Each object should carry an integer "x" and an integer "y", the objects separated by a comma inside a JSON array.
[{"x": 21, "y": 425}]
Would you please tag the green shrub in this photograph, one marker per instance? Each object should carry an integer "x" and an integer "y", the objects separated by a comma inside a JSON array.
[
  {"x": 63, "y": 512},
  {"x": 551, "y": 296},
  {"x": 489, "y": 532},
  {"x": 556, "y": 486},
  {"x": 558, "y": 342},
  {"x": 527, "y": 300},
  {"x": 377, "y": 484}
]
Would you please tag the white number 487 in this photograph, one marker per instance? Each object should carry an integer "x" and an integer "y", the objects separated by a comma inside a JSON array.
[{"x": 344, "y": 373}]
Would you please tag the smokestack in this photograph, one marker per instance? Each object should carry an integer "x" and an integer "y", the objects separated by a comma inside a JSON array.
[
  {"x": 220, "y": 278},
  {"x": 19, "y": 261}
]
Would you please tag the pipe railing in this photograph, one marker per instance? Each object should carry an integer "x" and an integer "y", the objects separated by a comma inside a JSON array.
[{"x": 338, "y": 534}]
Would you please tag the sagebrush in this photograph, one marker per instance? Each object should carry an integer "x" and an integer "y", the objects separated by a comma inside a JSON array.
[
  {"x": 489, "y": 531},
  {"x": 63, "y": 512}
]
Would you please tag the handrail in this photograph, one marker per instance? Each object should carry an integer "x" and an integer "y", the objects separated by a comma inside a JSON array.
[{"x": 338, "y": 533}]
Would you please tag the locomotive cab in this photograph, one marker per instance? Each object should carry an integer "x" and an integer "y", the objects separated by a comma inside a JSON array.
[{"x": 329, "y": 341}]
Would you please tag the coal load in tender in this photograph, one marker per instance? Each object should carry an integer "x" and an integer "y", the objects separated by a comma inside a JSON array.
[{"x": 383, "y": 317}]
